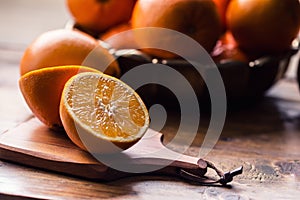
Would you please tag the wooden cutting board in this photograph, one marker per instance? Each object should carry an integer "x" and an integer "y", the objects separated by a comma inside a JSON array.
[{"x": 31, "y": 143}]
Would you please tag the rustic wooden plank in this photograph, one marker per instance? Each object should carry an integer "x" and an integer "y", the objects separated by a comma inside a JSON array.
[
  {"x": 34, "y": 144},
  {"x": 45, "y": 185},
  {"x": 42, "y": 184},
  {"x": 264, "y": 138},
  {"x": 267, "y": 145}
]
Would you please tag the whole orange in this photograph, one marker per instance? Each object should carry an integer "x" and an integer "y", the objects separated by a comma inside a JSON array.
[
  {"x": 264, "y": 26},
  {"x": 99, "y": 15},
  {"x": 197, "y": 19},
  {"x": 120, "y": 37},
  {"x": 64, "y": 47}
]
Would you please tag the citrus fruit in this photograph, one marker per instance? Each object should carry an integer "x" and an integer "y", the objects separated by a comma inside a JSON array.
[
  {"x": 222, "y": 8},
  {"x": 65, "y": 47},
  {"x": 99, "y": 15},
  {"x": 228, "y": 50},
  {"x": 120, "y": 37},
  {"x": 102, "y": 110},
  {"x": 197, "y": 19},
  {"x": 264, "y": 26},
  {"x": 42, "y": 90}
]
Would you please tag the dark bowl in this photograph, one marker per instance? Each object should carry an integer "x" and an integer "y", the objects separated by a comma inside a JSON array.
[{"x": 244, "y": 82}]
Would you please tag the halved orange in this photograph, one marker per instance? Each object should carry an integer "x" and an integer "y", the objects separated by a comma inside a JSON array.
[
  {"x": 42, "y": 90},
  {"x": 100, "y": 112}
]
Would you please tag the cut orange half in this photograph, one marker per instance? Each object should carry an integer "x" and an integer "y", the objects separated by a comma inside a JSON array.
[
  {"x": 101, "y": 113},
  {"x": 42, "y": 90}
]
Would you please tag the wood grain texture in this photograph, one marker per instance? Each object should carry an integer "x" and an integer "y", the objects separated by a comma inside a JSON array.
[
  {"x": 264, "y": 138},
  {"x": 267, "y": 145},
  {"x": 33, "y": 144}
]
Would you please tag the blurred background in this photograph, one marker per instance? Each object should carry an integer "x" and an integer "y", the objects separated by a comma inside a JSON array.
[{"x": 23, "y": 20}]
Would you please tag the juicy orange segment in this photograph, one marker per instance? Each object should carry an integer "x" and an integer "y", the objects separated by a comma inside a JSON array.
[{"x": 106, "y": 107}]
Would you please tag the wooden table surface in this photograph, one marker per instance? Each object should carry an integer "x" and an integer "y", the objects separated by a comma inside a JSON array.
[{"x": 264, "y": 138}]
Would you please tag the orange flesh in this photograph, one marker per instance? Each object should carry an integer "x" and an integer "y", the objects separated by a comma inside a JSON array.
[{"x": 112, "y": 110}]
